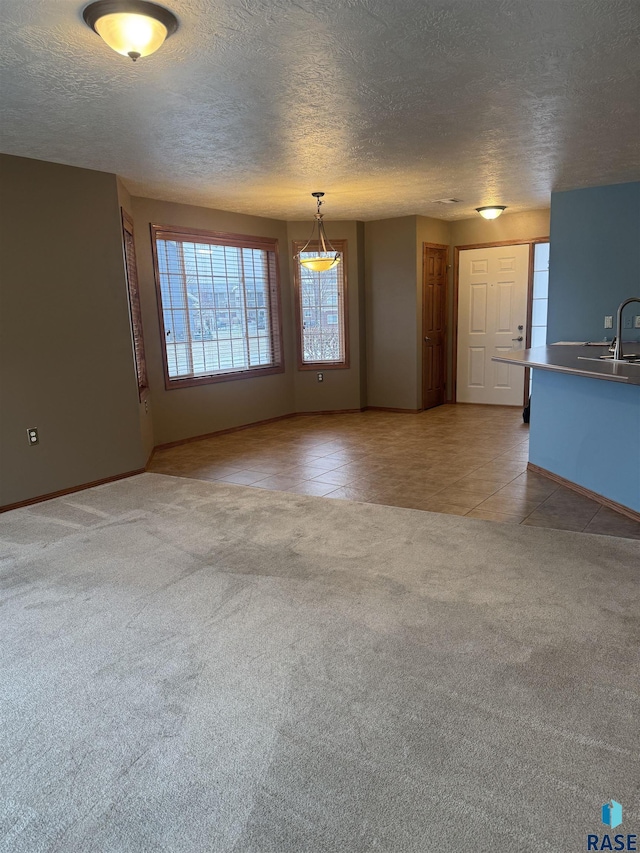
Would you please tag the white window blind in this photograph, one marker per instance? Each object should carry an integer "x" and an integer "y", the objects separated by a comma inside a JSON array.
[{"x": 219, "y": 305}]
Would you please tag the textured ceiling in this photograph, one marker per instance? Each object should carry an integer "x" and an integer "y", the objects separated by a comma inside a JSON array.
[{"x": 385, "y": 105}]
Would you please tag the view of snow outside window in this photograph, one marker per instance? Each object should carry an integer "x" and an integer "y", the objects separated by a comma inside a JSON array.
[
  {"x": 540, "y": 296},
  {"x": 322, "y": 312},
  {"x": 215, "y": 303}
]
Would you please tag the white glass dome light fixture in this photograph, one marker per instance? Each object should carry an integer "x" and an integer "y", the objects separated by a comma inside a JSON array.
[
  {"x": 133, "y": 28},
  {"x": 492, "y": 211},
  {"x": 321, "y": 260}
]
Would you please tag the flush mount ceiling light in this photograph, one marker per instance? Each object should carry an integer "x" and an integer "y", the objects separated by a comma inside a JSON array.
[
  {"x": 133, "y": 28},
  {"x": 324, "y": 255},
  {"x": 493, "y": 211}
]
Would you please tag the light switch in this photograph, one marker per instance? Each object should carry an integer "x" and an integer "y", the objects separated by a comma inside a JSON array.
[{"x": 608, "y": 321}]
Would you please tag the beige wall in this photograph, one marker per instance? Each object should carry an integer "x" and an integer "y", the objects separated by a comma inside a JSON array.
[
  {"x": 341, "y": 388},
  {"x": 66, "y": 360},
  {"x": 390, "y": 269},
  {"x": 509, "y": 226},
  {"x": 186, "y": 412},
  {"x": 428, "y": 230},
  {"x": 514, "y": 226},
  {"x": 431, "y": 230},
  {"x": 467, "y": 232},
  {"x": 362, "y": 313},
  {"x": 393, "y": 251}
]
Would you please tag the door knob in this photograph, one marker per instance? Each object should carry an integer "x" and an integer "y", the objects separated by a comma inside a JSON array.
[
  {"x": 517, "y": 339},
  {"x": 427, "y": 339}
]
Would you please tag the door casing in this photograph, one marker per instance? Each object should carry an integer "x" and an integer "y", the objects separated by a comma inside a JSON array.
[
  {"x": 456, "y": 282},
  {"x": 443, "y": 343}
]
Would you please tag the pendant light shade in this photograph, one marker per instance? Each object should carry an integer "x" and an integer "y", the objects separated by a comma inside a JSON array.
[
  {"x": 319, "y": 264},
  {"x": 325, "y": 256},
  {"x": 133, "y": 28},
  {"x": 492, "y": 211}
]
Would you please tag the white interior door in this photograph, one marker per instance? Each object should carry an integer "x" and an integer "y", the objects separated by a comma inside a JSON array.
[{"x": 492, "y": 312}]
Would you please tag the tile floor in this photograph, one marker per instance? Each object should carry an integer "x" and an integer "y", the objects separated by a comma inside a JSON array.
[{"x": 464, "y": 460}]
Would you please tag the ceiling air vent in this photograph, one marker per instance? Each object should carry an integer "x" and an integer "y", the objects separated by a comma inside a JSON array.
[{"x": 446, "y": 201}]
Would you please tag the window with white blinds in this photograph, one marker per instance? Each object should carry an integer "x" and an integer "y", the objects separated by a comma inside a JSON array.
[
  {"x": 321, "y": 308},
  {"x": 219, "y": 303}
]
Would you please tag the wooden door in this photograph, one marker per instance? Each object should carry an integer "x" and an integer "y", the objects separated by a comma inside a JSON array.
[
  {"x": 434, "y": 316},
  {"x": 492, "y": 316}
]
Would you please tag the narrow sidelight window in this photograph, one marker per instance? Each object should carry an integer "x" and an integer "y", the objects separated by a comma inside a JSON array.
[
  {"x": 219, "y": 303},
  {"x": 321, "y": 311}
]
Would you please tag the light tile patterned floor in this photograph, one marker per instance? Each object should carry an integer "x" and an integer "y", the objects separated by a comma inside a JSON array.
[{"x": 464, "y": 460}]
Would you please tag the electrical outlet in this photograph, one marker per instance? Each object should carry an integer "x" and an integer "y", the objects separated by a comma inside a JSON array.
[
  {"x": 627, "y": 323},
  {"x": 608, "y": 321},
  {"x": 636, "y": 322},
  {"x": 32, "y": 436},
  {"x": 321, "y": 377}
]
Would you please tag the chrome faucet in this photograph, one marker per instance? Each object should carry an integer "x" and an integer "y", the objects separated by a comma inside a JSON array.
[{"x": 618, "y": 355}]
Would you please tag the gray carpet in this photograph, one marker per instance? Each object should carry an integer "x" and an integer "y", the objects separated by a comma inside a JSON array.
[{"x": 191, "y": 666}]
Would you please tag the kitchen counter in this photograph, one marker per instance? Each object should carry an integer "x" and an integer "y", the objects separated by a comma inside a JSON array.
[{"x": 578, "y": 361}]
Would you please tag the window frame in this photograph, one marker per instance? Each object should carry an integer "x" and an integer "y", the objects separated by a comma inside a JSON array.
[
  {"x": 341, "y": 247},
  {"x": 270, "y": 245},
  {"x": 135, "y": 308}
]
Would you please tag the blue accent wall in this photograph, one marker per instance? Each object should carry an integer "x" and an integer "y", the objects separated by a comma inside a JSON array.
[
  {"x": 588, "y": 431},
  {"x": 595, "y": 260}
]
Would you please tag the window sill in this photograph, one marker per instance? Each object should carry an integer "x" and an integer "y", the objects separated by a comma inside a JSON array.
[
  {"x": 324, "y": 365},
  {"x": 212, "y": 379}
]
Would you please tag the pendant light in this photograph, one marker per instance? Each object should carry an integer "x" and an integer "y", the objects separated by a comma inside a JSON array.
[
  {"x": 318, "y": 262},
  {"x": 133, "y": 28},
  {"x": 492, "y": 211}
]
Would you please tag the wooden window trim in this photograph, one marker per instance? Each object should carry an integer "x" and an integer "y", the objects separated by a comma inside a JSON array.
[
  {"x": 240, "y": 241},
  {"x": 135, "y": 309},
  {"x": 339, "y": 246}
]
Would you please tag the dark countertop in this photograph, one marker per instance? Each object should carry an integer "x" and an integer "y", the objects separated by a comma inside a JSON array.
[{"x": 576, "y": 360}]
